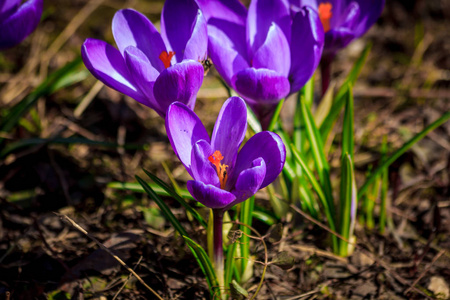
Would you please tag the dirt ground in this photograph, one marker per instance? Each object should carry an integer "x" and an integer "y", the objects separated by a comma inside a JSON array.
[{"x": 404, "y": 86}]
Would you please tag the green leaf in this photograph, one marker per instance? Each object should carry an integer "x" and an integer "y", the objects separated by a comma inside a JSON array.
[
  {"x": 70, "y": 74},
  {"x": 444, "y": 118},
  {"x": 348, "y": 203},
  {"x": 177, "y": 197},
  {"x": 348, "y": 143},
  {"x": 136, "y": 187},
  {"x": 320, "y": 193},
  {"x": 252, "y": 121},
  {"x": 246, "y": 218},
  {"x": 162, "y": 205},
  {"x": 206, "y": 266},
  {"x": 12, "y": 147},
  {"x": 339, "y": 100},
  {"x": 320, "y": 160},
  {"x": 275, "y": 116}
]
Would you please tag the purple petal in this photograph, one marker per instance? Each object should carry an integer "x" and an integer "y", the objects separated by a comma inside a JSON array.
[
  {"x": 179, "y": 82},
  {"x": 107, "y": 65},
  {"x": 201, "y": 168},
  {"x": 337, "y": 38},
  {"x": 261, "y": 85},
  {"x": 270, "y": 148},
  {"x": 209, "y": 195},
  {"x": 370, "y": 11},
  {"x": 350, "y": 17},
  {"x": 19, "y": 24},
  {"x": 144, "y": 75},
  {"x": 249, "y": 181},
  {"x": 131, "y": 28},
  {"x": 179, "y": 20},
  {"x": 261, "y": 15},
  {"x": 229, "y": 130},
  {"x": 274, "y": 54},
  {"x": 8, "y": 7},
  {"x": 227, "y": 48},
  {"x": 231, "y": 11},
  {"x": 296, "y": 5},
  {"x": 306, "y": 47},
  {"x": 184, "y": 129},
  {"x": 196, "y": 47}
]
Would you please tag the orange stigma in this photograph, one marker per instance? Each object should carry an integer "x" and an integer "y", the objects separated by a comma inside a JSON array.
[
  {"x": 221, "y": 169},
  {"x": 166, "y": 57},
  {"x": 325, "y": 15}
]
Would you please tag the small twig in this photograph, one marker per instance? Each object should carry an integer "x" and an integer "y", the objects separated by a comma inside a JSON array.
[
  {"x": 425, "y": 271},
  {"x": 128, "y": 279},
  {"x": 79, "y": 228}
]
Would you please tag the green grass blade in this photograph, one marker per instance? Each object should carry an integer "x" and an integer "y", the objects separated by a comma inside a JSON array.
[
  {"x": 20, "y": 144},
  {"x": 206, "y": 266},
  {"x": 229, "y": 263},
  {"x": 348, "y": 143},
  {"x": 339, "y": 100},
  {"x": 70, "y": 74},
  {"x": 162, "y": 205},
  {"x": 246, "y": 218},
  {"x": 384, "y": 188},
  {"x": 136, "y": 187},
  {"x": 275, "y": 116},
  {"x": 348, "y": 203},
  {"x": 444, "y": 118},
  {"x": 317, "y": 150},
  {"x": 177, "y": 197},
  {"x": 320, "y": 193},
  {"x": 252, "y": 121}
]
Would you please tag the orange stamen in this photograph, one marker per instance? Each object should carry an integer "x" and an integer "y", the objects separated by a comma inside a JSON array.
[
  {"x": 325, "y": 15},
  {"x": 220, "y": 169},
  {"x": 166, "y": 57}
]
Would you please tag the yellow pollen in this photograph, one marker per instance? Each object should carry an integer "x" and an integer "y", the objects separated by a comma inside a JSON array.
[
  {"x": 166, "y": 57},
  {"x": 325, "y": 15},
  {"x": 220, "y": 169}
]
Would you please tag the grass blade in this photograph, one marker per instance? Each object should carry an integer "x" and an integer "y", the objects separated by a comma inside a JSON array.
[
  {"x": 348, "y": 143},
  {"x": 444, "y": 118},
  {"x": 206, "y": 266},
  {"x": 316, "y": 144},
  {"x": 339, "y": 100},
  {"x": 177, "y": 197},
  {"x": 320, "y": 193},
  {"x": 275, "y": 116},
  {"x": 245, "y": 217},
  {"x": 162, "y": 205}
]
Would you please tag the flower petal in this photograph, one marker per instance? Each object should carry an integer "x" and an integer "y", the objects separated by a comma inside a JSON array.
[
  {"x": 369, "y": 12},
  {"x": 201, "y": 168},
  {"x": 337, "y": 38},
  {"x": 306, "y": 47},
  {"x": 209, "y": 195},
  {"x": 231, "y": 11},
  {"x": 261, "y": 15},
  {"x": 19, "y": 24},
  {"x": 270, "y": 148},
  {"x": 274, "y": 54},
  {"x": 227, "y": 48},
  {"x": 179, "y": 82},
  {"x": 180, "y": 22},
  {"x": 131, "y": 28},
  {"x": 249, "y": 181},
  {"x": 144, "y": 75},
  {"x": 184, "y": 129},
  {"x": 8, "y": 7},
  {"x": 260, "y": 85},
  {"x": 107, "y": 65},
  {"x": 229, "y": 130},
  {"x": 196, "y": 47},
  {"x": 350, "y": 17}
]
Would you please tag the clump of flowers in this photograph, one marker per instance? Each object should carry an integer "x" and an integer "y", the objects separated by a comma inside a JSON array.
[
  {"x": 152, "y": 68},
  {"x": 260, "y": 52},
  {"x": 18, "y": 20}
]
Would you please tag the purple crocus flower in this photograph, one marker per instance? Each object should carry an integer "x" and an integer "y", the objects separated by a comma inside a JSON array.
[
  {"x": 260, "y": 52},
  {"x": 223, "y": 176},
  {"x": 343, "y": 20},
  {"x": 152, "y": 68},
  {"x": 18, "y": 20}
]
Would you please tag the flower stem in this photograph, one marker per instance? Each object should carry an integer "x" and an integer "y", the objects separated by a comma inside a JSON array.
[
  {"x": 325, "y": 71},
  {"x": 218, "y": 249}
]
